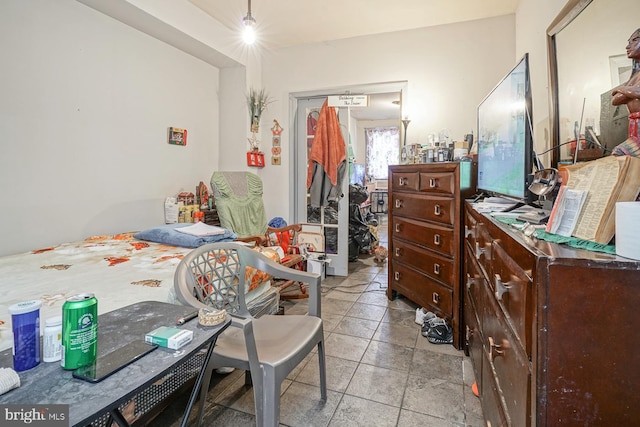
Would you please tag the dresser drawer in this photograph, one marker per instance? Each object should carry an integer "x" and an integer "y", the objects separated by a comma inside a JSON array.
[
  {"x": 433, "y": 182},
  {"x": 475, "y": 284},
  {"x": 422, "y": 289},
  {"x": 472, "y": 330},
  {"x": 433, "y": 265},
  {"x": 508, "y": 362},
  {"x": 431, "y": 236},
  {"x": 470, "y": 228},
  {"x": 512, "y": 289},
  {"x": 434, "y": 208},
  {"x": 483, "y": 248},
  {"x": 492, "y": 403},
  {"x": 405, "y": 181}
]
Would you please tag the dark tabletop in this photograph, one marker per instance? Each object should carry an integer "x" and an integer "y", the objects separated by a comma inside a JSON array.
[{"x": 48, "y": 383}]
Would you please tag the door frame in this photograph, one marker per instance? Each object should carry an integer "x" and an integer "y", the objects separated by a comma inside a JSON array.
[{"x": 364, "y": 89}]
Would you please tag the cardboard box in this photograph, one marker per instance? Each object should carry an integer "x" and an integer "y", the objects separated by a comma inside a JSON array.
[{"x": 168, "y": 337}]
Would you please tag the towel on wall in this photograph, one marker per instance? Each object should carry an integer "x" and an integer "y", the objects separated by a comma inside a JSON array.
[{"x": 327, "y": 159}]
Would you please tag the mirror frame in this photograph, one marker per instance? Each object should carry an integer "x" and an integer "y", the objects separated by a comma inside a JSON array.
[{"x": 568, "y": 13}]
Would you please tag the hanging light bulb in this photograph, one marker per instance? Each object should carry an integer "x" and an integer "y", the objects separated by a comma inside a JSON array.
[{"x": 249, "y": 33}]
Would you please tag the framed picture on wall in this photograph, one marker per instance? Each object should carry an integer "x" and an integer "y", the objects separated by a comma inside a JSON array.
[
  {"x": 620, "y": 69},
  {"x": 177, "y": 136}
]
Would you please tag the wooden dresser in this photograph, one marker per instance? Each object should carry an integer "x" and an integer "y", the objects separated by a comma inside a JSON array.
[
  {"x": 551, "y": 331},
  {"x": 425, "y": 223}
]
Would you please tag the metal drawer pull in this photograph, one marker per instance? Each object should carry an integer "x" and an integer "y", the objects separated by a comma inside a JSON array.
[
  {"x": 436, "y": 269},
  {"x": 437, "y": 210},
  {"x": 433, "y": 183},
  {"x": 435, "y": 298},
  {"x": 478, "y": 250},
  {"x": 398, "y": 203},
  {"x": 468, "y": 334},
  {"x": 469, "y": 281},
  {"x": 402, "y": 181},
  {"x": 468, "y": 232},
  {"x": 436, "y": 239},
  {"x": 501, "y": 287},
  {"x": 397, "y": 228},
  {"x": 495, "y": 350},
  {"x": 398, "y": 252},
  {"x": 396, "y": 275}
]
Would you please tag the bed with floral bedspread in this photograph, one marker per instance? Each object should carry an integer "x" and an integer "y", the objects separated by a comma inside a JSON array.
[{"x": 118, "y": 269}]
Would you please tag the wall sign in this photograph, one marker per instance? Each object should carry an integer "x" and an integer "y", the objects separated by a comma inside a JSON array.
[{"x": 348, "y": 101}]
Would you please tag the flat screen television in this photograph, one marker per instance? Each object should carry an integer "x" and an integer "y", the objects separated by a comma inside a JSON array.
[{"x": 505, "y": 142}]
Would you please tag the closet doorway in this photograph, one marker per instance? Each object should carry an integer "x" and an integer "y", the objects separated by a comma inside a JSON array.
[{"x": 335, "y": 219}]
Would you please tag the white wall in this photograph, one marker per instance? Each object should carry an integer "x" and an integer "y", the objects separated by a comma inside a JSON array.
[
  {"x": 86, "y": 101},
  {"x": 85, "y": 106},
  {"x": 532, "y": 20},
  {"x": 449, "y": 70}
]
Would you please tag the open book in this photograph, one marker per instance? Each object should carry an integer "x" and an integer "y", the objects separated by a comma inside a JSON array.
[
  {"x": 606, "y": 180},
  {"x": 566, "y": 211}
]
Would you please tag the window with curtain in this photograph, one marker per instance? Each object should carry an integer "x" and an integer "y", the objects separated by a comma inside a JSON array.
[{"x": 382, "y": 149}]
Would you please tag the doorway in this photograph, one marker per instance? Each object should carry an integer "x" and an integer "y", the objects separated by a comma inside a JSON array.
[{"x": 335, "y": 219}]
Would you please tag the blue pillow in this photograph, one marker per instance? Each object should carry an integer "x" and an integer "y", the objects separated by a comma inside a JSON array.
[{"x": 167, "y": 234}]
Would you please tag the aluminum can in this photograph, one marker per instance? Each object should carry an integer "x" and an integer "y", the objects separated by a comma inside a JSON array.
[{"x": 79, "y": 331}]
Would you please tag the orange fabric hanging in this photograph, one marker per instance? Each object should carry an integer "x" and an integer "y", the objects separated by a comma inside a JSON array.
[{"x": 328, "y": 147}]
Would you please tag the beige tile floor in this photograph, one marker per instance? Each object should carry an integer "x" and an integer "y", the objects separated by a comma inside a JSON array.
[{"x": 380, "y": 370}]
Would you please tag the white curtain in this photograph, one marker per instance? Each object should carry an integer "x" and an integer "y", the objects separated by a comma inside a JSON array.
[{"x": 383, "y": 149}]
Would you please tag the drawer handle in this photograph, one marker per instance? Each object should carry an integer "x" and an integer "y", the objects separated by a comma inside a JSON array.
[
  {"x": 397, "y": 228},
  {"x": 436, "y": 239},
  {"x": 468, "y": 333},
  {"x": 437, "y": 211},
  {"x": 396, "y": 276},
  {"x": 469, "y": 281},
  {"x": 495, "y": 350},
  {"x": 398, "y": 251},
  {"x": 435, "y": 298},
  {"x": 480, "y": 250},
  {"x": 398, "y": 203},
  {"x": 436, "y": 269},
  {"x": 433, "y": 183},
  {"x": 402, "y": 181},
  {"x": 501, "y": 287},
  {"x": 468, "y": 232}
]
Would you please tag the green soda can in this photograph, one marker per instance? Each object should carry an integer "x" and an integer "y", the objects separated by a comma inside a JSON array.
[{"x": 79, "y": 331}]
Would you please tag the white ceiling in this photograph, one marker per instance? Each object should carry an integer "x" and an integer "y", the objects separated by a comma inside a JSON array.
[
  {"x": 284, "y": 23},
  {"x": 281, "y": 23}
]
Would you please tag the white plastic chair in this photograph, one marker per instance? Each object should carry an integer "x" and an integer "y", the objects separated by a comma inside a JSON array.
[{"x": 269, "y": 347}]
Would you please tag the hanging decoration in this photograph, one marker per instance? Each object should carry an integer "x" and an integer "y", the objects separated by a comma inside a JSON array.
[
  {"x": 177, "y": 136},
  {"x": 276, "y": 148},
  {"x": 257, "y": 101}
]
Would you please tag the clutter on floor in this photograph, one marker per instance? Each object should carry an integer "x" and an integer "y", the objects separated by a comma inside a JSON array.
[
  {"x": 361, "y": 237},
  {"x": 435, "y": 329}
]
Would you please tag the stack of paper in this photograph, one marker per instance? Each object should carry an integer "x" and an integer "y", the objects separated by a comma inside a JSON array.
[{"x": 201, "y": 229}]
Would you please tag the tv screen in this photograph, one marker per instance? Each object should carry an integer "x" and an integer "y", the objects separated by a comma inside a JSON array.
[{"x": 505, "y": 142}]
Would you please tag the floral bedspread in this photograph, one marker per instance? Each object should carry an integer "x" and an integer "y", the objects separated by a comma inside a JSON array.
[{"x": 119, "y": 270}]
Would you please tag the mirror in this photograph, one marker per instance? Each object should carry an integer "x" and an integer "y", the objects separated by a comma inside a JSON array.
[{"x": 587, "y": 58}]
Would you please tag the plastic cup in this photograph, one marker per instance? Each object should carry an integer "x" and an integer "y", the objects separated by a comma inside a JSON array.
[{"x": 25, "y": 319}]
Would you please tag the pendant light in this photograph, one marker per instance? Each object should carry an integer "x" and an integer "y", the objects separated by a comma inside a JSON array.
[{"x": 248, "y": 33}]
